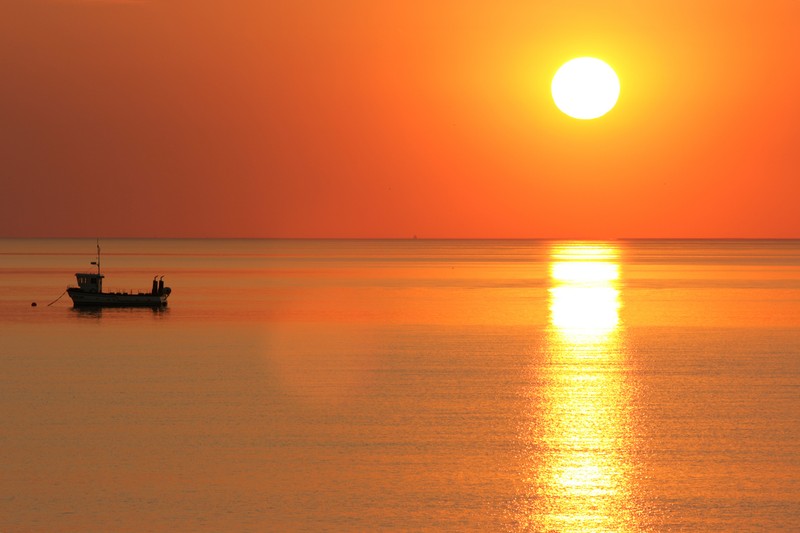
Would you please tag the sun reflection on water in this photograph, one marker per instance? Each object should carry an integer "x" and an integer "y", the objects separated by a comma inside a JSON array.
[{"x": 581, "y": 479}]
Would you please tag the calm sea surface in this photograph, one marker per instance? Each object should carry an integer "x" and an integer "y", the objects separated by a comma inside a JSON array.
[{"x": 403, "y": 385}]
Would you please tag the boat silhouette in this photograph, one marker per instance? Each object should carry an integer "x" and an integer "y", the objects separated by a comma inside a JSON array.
[{"x": 89, "y": 292}]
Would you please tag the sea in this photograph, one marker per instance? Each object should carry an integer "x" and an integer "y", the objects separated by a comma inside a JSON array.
[{"x": 403, "y": 385}]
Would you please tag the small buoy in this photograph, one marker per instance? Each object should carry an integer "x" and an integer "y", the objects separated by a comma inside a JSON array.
[{"x": 33, "y": 304}]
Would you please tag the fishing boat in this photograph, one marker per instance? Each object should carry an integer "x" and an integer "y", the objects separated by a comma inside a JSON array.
[{"x": 89, "y": 292}]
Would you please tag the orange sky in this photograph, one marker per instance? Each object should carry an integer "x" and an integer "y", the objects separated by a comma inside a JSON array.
[{"x": 361, "y": 118}]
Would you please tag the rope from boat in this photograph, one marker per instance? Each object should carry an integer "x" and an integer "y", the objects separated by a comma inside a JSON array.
[{"x": 57, "y": 299}]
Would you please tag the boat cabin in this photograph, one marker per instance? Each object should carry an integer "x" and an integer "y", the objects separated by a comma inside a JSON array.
[{"x": 90, "y": 282}]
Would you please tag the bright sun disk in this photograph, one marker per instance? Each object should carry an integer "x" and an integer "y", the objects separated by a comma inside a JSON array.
[{"x": 585, "y": 88}]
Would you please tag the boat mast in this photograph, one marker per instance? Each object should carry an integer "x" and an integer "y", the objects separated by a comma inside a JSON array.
[{"x": 98, "y": 257}]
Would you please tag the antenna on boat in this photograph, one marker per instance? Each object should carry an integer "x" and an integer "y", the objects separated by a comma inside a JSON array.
[{"x": 98, "y": 257}]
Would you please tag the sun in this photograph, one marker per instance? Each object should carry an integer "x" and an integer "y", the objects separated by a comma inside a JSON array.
[{"x": 585, "y": 88}]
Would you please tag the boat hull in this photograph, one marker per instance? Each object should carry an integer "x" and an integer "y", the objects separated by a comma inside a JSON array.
[{"x": 111, "y": 299}]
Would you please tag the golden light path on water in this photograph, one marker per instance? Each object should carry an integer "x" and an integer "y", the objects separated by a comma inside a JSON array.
[{"x": 581, "y": 480}]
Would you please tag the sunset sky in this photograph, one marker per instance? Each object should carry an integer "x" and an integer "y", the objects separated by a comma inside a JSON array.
[{"x": 363, "y": 118}]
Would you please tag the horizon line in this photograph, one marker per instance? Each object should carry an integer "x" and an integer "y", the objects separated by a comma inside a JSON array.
[{"x": 416, "y": 238}]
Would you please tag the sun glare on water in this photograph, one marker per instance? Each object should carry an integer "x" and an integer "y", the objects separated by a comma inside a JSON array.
[
  {"x": 585, "y": 88},
  {"x": 582, "y": 478},
  {"x": 585, "y": 299}
]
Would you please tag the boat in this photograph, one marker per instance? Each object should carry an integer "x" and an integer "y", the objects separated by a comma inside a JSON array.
[{"x": 89, "y": 292}]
